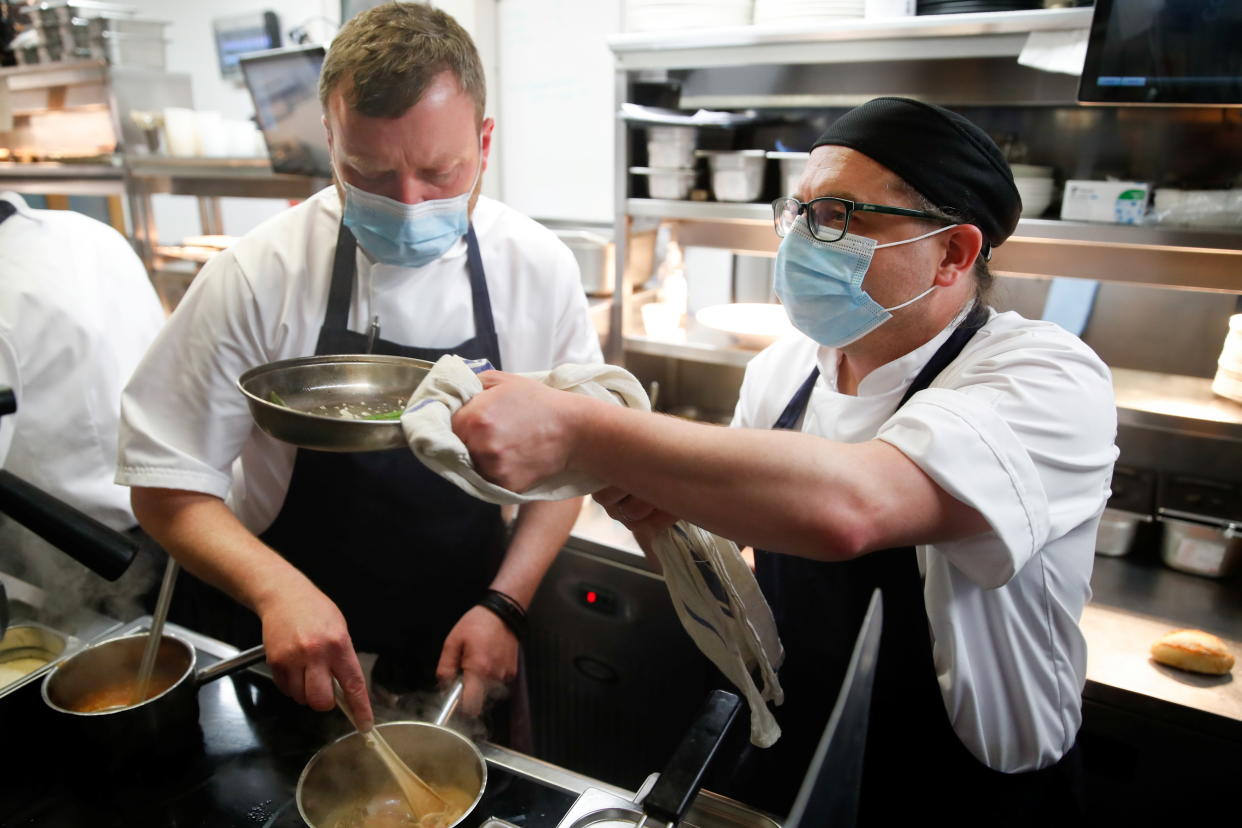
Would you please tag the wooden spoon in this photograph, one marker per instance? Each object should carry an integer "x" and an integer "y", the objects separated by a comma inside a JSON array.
[{"x": 420, "y": 796}]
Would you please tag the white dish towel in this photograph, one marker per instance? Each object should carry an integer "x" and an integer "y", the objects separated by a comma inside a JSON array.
[{"x": 715, "y": 594}]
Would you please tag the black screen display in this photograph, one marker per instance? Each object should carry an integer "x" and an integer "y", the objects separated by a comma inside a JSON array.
[
  {"x": 284, "y": 85},
  {"x": 1164, "y": 52}
]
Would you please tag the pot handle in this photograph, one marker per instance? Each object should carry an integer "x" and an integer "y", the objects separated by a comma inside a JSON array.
[
  {"x": 450, "y": 703},
  {"x": 230, "y": 665},
  {"x": 679, "y": 783}
]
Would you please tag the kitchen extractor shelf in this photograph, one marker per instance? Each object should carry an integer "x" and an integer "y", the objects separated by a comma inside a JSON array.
[
  {"x": 1148, "y": 399},
  {"x": 62, "y": 73},
  {"x": 1156, "y": 255},
  {"x": 983, "y": 35}
]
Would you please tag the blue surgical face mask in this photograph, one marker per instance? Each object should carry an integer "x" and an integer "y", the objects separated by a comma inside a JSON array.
[
  {"x": 820, "y": 284},
  {"x": 407, "y": 235}
]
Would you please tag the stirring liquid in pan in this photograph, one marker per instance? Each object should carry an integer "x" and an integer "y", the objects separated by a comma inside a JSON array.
[{"x": 389, "y": 810}]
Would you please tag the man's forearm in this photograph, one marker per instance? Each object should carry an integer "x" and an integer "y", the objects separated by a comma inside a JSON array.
[
  {"x": 539, "y": 532},
  {"x": 788, "y": 491},
  {"x": 208, "y": 540}
]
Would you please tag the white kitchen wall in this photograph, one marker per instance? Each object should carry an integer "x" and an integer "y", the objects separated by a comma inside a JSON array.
[
  {"x": 550, "y": 88},
  {"x": 192, "y": 50}
]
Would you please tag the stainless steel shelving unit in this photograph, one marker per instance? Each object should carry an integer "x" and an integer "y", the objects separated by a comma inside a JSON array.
[{"x": 1144, "y": 255}]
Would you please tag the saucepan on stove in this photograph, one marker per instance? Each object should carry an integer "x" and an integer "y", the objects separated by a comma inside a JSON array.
[
  {"x": 94, "y": 690},
  {"x": 345, "y": 785}
]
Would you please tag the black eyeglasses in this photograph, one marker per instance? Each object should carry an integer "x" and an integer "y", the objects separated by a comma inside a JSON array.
[{"x": 828, "y": 217}]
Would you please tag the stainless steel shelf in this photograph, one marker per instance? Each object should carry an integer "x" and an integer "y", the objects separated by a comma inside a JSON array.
[
  {"x": 689, "y": 351},
  {"x": 1159, "y": 256},
  {"x": 991, "y": 34},
  {"x": 214, "y": 177}
]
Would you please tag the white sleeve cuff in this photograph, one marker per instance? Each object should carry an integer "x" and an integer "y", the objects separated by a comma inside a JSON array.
[
  {"x": 969, "y": 451},
  {"x": 207, "y": 482}
]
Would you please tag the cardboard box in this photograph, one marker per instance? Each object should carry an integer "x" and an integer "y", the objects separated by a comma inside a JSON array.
[{"x": 1116, "y": 202}]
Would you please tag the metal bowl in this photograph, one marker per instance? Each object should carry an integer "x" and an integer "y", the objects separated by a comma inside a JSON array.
[
  {"x": 306, "y": 384},
  {"x": 347, "y": 771}
]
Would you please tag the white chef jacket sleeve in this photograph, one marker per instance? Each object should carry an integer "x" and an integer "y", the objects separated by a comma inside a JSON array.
[
  {"x": 183, "y": 421},
  {"x": 1021, "y": 430},
  {"x": 11, "y": 377}
]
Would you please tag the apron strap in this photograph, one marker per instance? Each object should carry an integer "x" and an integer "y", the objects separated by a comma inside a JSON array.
[
  {"x": 6, "y": 210},
  {"x": 947, "y": 352},
  {"x": 940, "y": 360},
  {"x": 797, "y": 405},
  {"x": 343, "y": 267},
  {"x": 484, "y": 323}
]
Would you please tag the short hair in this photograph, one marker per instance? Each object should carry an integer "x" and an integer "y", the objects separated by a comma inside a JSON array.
[
  {"x": 985, "y": 280},
  {"x": 391, "y": 53}
]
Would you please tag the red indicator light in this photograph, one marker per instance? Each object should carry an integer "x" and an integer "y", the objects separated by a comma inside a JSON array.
[{"x": 591, "y": 597}]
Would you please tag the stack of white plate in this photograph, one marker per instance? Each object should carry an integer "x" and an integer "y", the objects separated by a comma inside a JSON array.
[
  {"x": 806, "y": 11},
  {"x": 1035, "y": 186},
  {"x": 664, "y": 15}
]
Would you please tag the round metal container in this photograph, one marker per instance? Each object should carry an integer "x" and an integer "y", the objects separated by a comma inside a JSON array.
[
  {"x": 307, "y": 383},
  {"x": 165, "y": 720},
  {"x": 347, "y": 771}
]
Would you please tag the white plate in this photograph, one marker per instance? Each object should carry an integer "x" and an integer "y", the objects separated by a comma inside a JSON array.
[{"x": 755, "y": 324}]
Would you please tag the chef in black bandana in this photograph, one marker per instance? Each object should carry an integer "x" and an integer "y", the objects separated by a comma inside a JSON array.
[{"x": 908, "y": 438}]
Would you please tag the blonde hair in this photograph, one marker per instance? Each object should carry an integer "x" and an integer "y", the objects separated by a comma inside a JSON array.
[{"x": 390, "y": 54}]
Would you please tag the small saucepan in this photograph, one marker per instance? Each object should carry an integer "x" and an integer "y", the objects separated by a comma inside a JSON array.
[
  {"x": 87, "y": 688},
  {"x": 346, "y": 781}
]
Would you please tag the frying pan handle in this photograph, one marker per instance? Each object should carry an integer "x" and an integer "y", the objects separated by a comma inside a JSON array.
[
  {"x": 679, "y": 783},
  {"x": 450, "y": 703},
  {"x": 230, "y": 665},
  {"x": 78, "y": 535}
]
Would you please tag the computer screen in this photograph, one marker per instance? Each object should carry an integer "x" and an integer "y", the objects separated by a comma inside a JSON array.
[
  {"x": 239, "y": 34},
  {"x": 284, "y": 84},
  {"x": 1164, "y": 52}
]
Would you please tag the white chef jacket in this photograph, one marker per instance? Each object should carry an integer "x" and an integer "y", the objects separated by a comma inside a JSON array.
[
  {"x": 77, "y": 311},
  {"x": 1020, "y": 427},
  {"x": 183, "y": 420}
]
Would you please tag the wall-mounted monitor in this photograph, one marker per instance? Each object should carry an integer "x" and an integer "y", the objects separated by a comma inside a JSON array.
[
  {"x": 1164, "y": 52},
  {"x": 284, "y": 85},
  {"x": 239, "y": 34}
]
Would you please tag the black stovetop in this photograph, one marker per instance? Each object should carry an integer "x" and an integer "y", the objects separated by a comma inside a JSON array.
[{"x": 238, "y": 768}]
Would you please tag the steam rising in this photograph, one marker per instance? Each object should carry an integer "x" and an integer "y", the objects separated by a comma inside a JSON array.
[{"x": 69, "y": 586}]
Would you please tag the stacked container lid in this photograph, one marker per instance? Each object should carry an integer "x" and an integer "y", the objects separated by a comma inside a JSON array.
[
  {"x": 670, "y": 159},
  {"x": 68, "y": 30}
]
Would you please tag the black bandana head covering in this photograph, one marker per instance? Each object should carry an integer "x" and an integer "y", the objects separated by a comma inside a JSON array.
[{"x": 939, "y": 153}]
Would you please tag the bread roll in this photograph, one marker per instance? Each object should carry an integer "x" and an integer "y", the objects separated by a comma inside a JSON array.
[{"x": 1193, "y": 650}]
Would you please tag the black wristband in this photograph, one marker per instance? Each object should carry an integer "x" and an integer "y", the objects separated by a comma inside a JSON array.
[{"x": 507, "y": 610}]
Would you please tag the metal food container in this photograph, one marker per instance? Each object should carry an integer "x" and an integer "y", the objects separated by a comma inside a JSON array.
[
  {"x": 1205, "y": 546},
  {"x": 1117, "y": 531},
  {"x": 596, "y": 255},
  {"x": 22, "y": 646}
]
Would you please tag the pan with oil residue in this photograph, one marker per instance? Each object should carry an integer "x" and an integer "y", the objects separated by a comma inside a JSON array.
[
  {"x": 347, "y": 402},
  {"x": 345, "y": 785}
]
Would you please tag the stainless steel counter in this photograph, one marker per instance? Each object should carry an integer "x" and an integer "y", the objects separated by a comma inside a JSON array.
[{"x": 1118, "y": 635}]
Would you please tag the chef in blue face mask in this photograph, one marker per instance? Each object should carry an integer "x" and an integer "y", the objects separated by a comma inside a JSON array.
[
  {"x": 906, "y": 438},
  {"x": 323, "y": 555}
]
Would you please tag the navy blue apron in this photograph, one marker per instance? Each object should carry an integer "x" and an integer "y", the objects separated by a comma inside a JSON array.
[
  {"x": 402, "y": 552},
  {"x": 912, "y": 753},
  {"x": 6, "y": 210}
]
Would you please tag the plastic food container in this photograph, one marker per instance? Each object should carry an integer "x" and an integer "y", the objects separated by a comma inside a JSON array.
[
  {"x": 737, "y": 175},
  {"x": 666, "y": 183},
  {"x": 671, "y": 147},
  {"x": 792, "y": 165},
  {"x": 1116, "y": 533},
  {"x": 1212, "y": 549}
]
